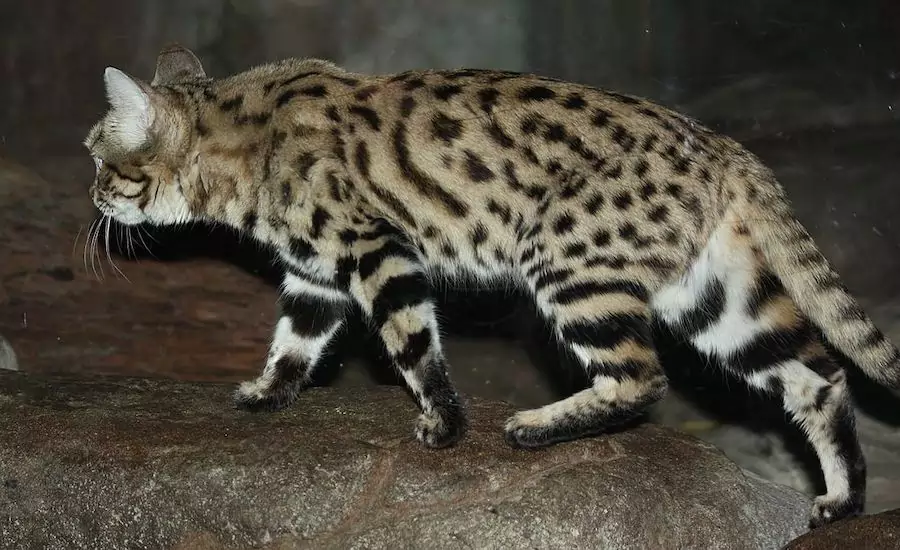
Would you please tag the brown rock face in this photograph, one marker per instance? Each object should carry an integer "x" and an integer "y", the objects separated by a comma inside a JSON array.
[
  {"x": 875, "y": 532},
  {"x": 115, "y": 463}
]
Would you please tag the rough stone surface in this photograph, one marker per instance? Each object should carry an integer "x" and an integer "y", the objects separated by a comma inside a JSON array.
[
  {"x": 8, "y": 359},
  {"x": 875, "y": 532},
  {"x": 150, "y": 464}
]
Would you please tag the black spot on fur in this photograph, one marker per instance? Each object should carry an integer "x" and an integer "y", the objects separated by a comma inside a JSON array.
[
  {"x": 612, "y": 262},
  {"x": 232, "y": 104},
  {"x": 615, "y": 172},
  {"x": 628, "y": 231},
  {"x": 499, "y": 136},
  {"x": 363, "y": 94},
  {"x": 602, "y": 238},
  {"x": 476, "y": 168},
  {"x": 479, "y": 235},
  {"x": 623, "y": 200},
  {"x": 362, "y": 159},
  {"x": 574, "y": 101},
  {"x": 413, "y": 84},
  {"x": 575, "y": 250},
  {"x": 345, "y": 80},
  {"x": 536, "y": 93},
  {"x": 488, "y": 98},
  {"x": 445, "y": 128},
  {"x": 332, "y": 113},
  {"x": 314, "y": 91},
  {"x": 320, "y": 217},
  {"x": 444, "y": 92},
  {"x": 658, "y": 214},
  {"x": 623, "y": 137},
  {"x": 595, "y": 203},
  {"x": 502, "y": 211},
  {"x": 647, "y": 190},
  {"x": 555, "y": 132},
  {"x": 299, "y": 76},
  {"x": 672, "y": 237},
  {"x": 650, "y": 142},
  {"x": 304, "y": 163},
  {"x": 531, "y": 123},
  {"x": 673, "y": 190},
  {"x": 601, "y": 118},
  {"x": 563, "y": 224},
  {"x": 407, "y": 104},
  {"x": 572, "y": 187},
  {"x": 641, "y": 167},
  {"x": 334, "y": 188},
  {"x": 368, "y": 114}
]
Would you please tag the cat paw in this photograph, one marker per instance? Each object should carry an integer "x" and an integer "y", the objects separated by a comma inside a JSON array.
[
  {"x": 828, "y": 509},
  {"x": 437, "y": 431},
  {"x": 526, "y": 430},
  {"x": 257, "y": 396}
]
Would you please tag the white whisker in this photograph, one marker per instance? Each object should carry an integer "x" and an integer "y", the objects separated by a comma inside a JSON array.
[{"x": 109, "y": 257}]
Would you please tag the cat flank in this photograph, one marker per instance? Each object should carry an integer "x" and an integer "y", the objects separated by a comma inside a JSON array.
[{"x": 614, "y": 213}]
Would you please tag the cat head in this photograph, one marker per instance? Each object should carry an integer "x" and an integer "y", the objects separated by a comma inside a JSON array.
[{"x": 144, "y": 148}]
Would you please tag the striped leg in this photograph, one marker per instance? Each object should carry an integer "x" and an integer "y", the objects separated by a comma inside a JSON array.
[
  {"x": 758, "y": 334},
  {"x": 732, "y": 309},
  {"x": 813, "y": 391},
  {"x": 312, "y": 312},
  {"x": 604, "y": 321},
  {"x": 394, "y": 293}
]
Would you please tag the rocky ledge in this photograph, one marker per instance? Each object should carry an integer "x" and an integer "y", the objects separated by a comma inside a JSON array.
[{"x": 137, "y": 463}]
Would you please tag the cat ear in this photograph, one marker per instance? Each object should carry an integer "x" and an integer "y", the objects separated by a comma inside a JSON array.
[
  {"x": 131, "y": 114},
  {"x": 175, "y": 63}
]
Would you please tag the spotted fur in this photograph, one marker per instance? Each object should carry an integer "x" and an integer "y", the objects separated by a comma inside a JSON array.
[{"x": 612, "y": 211}]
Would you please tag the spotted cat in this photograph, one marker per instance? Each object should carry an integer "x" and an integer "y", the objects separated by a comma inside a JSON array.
[{"x": 611, "y": 211}]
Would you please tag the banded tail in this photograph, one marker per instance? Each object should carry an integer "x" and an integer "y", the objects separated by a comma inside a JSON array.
[{"x": 810, "y": 280}]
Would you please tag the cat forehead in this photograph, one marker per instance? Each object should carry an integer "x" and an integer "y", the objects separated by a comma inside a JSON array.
[{"x": 97, "y": 143}]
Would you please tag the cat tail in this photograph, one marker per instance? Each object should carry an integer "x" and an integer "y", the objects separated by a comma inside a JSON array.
[{"x": 807, "y": 276}]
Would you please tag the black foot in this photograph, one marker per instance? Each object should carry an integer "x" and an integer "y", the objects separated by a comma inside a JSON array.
[
  {"x": 250, "y": 397},
  {"x": 826, "y": 510},
  {"x": 437, "y": 431}
]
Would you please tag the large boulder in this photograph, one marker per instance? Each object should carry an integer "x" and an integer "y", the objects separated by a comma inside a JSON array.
[
  {"x": 114, "y": 463},
  {"x": 875, "y": 532}
]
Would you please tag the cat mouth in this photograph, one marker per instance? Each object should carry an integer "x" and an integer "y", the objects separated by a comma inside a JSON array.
[{"x": 124, "y": 217}]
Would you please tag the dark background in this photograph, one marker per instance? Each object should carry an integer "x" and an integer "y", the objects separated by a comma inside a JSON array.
[{"x": 811, "y": 86}]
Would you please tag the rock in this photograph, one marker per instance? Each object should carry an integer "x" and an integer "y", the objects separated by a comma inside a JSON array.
[
  {"x": 7, "y": 356},
  {"x": 122, "y": 462},
  {"x": 879, "y": 531}
]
